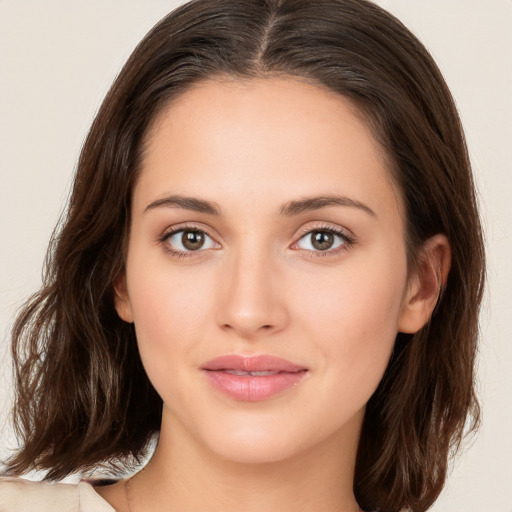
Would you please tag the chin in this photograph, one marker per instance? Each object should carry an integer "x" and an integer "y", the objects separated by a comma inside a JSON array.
[
  {"x": 255, "y": 449},
  {"x": 262, "y": 440}
]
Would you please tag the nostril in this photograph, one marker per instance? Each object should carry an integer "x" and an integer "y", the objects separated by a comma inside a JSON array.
[{"x": 266, "y": 327}]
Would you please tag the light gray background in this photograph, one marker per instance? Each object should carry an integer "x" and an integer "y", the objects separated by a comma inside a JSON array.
[{"x": 57, "y": 59}]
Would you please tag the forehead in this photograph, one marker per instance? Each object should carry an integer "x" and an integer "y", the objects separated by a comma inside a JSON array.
[{"x": 266, "y": 138}]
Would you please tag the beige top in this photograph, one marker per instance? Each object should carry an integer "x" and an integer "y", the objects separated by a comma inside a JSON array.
[{"x": 18, "y": 495}]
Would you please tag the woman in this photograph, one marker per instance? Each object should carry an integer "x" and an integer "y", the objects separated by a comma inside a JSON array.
[{"x": 265, "y": 263}]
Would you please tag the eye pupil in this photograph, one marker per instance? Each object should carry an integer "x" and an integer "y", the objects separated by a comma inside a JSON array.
[
  {"x": 322, "y": 240},
  {"x": 192, "y": 240}
]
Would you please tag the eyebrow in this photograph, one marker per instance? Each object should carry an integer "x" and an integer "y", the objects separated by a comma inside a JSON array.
[
  {"x": 187, "y": 203},
  {"x": 315, "y": 203},
  {"x": 288, "y": 209}
]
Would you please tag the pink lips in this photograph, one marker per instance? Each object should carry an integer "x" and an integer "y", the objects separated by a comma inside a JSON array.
[{"x": 252, "y": 379}]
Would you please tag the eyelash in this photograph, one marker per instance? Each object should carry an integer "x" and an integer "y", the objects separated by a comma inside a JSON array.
[
  {"x": 347, "y": 241},
  {"x": 172, "y": 231}
]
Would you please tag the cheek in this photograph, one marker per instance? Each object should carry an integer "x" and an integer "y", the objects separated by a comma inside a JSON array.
[
  {"x": 170, "y": 311},
  {"x": 353, "y": 317}
]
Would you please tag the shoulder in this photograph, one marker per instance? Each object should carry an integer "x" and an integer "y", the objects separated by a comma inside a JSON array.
[{"x": 19, "y": 495}]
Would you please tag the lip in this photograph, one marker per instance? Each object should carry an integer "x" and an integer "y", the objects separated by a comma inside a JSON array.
[
  {"x": 258, "y": 363},
  {"x": 229, "y": 374}
]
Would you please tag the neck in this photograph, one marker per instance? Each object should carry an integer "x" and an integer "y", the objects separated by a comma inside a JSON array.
[{"x": 184, "y": 475}]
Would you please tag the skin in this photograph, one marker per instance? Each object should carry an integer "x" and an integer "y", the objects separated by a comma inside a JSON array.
[{"x": 259, "y": 286}]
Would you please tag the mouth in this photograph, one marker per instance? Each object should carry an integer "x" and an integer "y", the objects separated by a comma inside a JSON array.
[
  {"x": 252, "y": 379},
  {"x": 252, "y": 364},
  {"x": 242, "y": 373}
]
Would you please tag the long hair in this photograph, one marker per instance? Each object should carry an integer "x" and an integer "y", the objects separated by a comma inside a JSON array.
[{"x": 82, "y": 396}]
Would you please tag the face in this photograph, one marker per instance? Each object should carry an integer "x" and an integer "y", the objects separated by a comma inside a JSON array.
[{"x": 266, "y": 268}]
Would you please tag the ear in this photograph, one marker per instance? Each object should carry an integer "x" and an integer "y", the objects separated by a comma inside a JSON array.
[
  {"x": 121, "y": 298},
  {"x": 426, "y": 284}
]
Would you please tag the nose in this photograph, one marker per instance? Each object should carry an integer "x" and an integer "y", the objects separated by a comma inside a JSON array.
[{"x": 252, "y": 299}]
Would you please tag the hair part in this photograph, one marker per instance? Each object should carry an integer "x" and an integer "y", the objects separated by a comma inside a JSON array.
[{"x": 83, "y": 397}]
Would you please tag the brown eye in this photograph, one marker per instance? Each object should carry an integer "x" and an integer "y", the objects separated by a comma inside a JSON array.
[
  {"x": 192, "y": 240},
  {"x": 189, "y": 240},
  {"x": 323, "y": 240}
]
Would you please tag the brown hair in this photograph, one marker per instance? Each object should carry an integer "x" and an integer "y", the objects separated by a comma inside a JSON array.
[{"x": 83, "y": 397}]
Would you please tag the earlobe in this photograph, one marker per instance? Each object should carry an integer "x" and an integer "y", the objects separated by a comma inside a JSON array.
[
  {"x": 121, "y": 299},
  {"x": 426, "y": 285}
]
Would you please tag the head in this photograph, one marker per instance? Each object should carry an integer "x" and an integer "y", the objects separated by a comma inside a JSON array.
[{"x": 349, "y": 51}]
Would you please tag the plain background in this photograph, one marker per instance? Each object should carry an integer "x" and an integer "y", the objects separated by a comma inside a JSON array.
[{"x": 57, "y": 59}]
